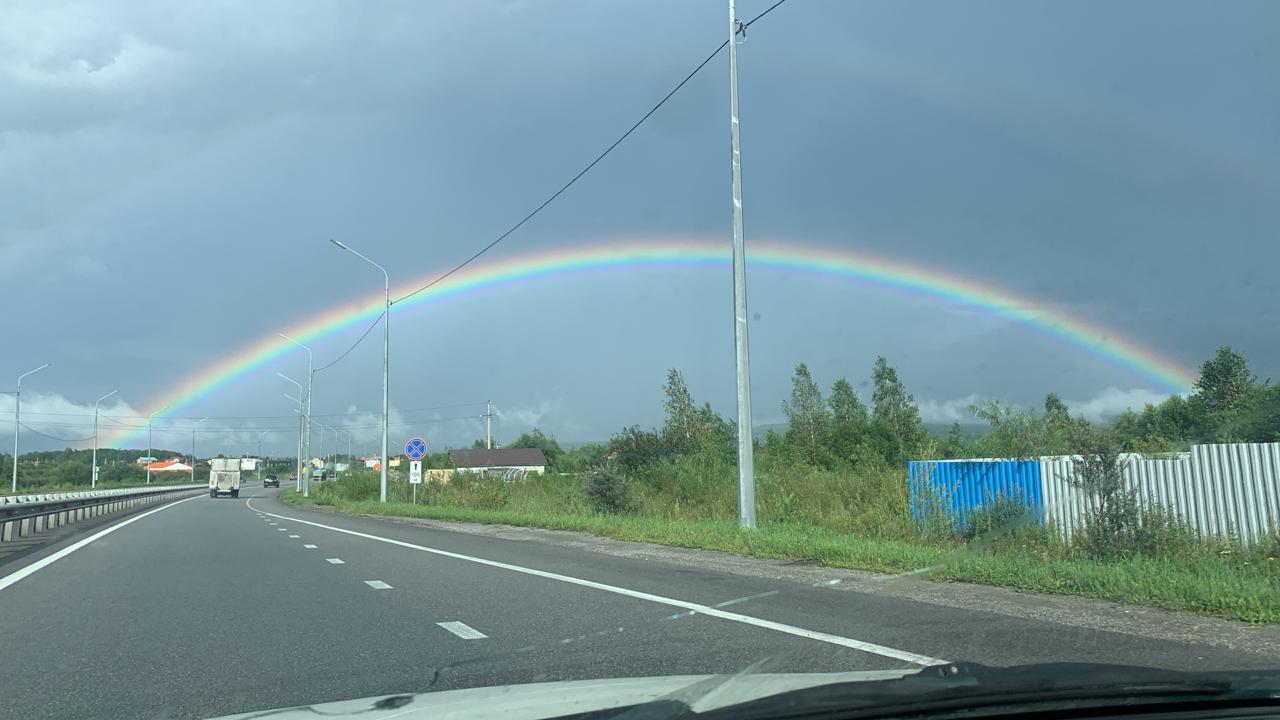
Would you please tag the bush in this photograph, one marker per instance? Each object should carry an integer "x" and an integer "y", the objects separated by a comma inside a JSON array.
[
  {"x": 1121, "y": 524},
  {"x": 1127, "y": 526},
  {"x": 607, "y": 490},
  {"x": 1006, "y": 523},
  {"x": 634, "y": 448}
]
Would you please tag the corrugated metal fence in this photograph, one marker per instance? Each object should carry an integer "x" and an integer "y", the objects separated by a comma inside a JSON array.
[
  {"x": 1241, "y": 487},
  {"x": 1168, "y": 480},
  {"x": 1217, "y": 488},
  {"x": 958, "y": 487}
]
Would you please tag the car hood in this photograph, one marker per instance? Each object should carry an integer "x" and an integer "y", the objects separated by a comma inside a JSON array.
[{"x": 536, "y": 701}]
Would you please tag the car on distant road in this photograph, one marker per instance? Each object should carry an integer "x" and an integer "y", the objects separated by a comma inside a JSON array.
[{"x": 271, "y": 481}]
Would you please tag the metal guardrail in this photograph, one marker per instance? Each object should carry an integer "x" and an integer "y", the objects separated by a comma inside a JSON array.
[
  {"x": 22, "y": 516},
  {"x": 41, "y": 497}
]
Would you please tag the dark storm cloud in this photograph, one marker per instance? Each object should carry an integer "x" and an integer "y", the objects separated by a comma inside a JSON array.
[{"x": 171, "y": 178}]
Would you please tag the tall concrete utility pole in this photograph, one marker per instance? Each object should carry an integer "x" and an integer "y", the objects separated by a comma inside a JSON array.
[
  {"x": 746, "y": 459},
  {"x": 488, "y": 424}
]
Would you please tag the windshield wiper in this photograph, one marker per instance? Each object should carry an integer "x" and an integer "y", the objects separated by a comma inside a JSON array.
[
  {"x": 978, "y": 689},
  {"x": 969, "y": 686}
]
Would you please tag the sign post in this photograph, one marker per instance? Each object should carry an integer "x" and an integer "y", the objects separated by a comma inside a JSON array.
[
  {"x": 415, "y": 477},
  {"x": 415, "y": 450}
]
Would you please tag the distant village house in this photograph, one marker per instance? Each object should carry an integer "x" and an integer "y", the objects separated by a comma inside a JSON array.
[
  {"x": 170, "y": 465},
  {"x": 508, "y": 463}
]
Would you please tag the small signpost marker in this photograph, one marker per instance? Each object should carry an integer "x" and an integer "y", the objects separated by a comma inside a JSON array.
[{"x": 415, "y": 477}]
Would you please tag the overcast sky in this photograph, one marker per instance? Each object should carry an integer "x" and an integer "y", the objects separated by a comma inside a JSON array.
[{"x": 170, "y": 175}]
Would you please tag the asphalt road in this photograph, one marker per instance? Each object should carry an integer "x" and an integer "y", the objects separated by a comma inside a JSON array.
[{"x": 208, "y": 607}]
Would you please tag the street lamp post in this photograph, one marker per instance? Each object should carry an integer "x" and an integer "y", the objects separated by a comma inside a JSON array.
[
  {"x": 193, "y": 448},
  {"x": 298, "y": 478},
  {"x": 17, "y": 415},
  {"x": 301, "y": 420},
  {"x": 93, "y": 470},
  {"x": 260, "y": 463},
  {"x": 92, "y": 481},
  {"x": 306, "y": 442},
  {"x": 386, "y": 372},
  {"x": 150, "y": 443}
]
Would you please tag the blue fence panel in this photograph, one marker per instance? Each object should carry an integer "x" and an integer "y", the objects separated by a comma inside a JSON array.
[{"x": 965, "y": 485}]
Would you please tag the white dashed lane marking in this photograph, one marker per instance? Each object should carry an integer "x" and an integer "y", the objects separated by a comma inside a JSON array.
[
  {"x": 698, "y": 608},
  {"x": 463, "y": 630},
  {"x": 310, "y": 547},
  {"x": 334, "y": 561},
  {"x": 283, "y": 529},
  {"x": 377, "y": 584},
  {"x": 294, "y": 536}
]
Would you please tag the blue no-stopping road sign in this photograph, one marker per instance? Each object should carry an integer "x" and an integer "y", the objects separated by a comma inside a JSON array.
[{"x": 415, "y": 449}]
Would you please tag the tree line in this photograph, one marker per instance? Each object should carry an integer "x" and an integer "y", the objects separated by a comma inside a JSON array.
[{"x": 839, "y": 430}]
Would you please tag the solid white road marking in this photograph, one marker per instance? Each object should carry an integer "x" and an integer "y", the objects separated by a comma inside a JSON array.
[
  {"x": 294, "y": 536},
  {"x": 883, "y": 650},
  {"x": 377, "y": 584},
  {"x": 334, "y": 561},
  {"x": 311, "y": 547},
  {"x": 17, "y": 575},
  {"x": 463, "y": 630}
]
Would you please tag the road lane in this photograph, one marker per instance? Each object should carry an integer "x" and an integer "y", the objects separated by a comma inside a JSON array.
[
  {"x": 951, "y": 633},
  {"x": 205, "y": 609},
  {"x": 699, "y": 609},
  {"x": 212, "y": 607}
]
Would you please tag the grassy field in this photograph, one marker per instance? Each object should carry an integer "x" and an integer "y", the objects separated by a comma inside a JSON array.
[{"x": 859, "y": 523}]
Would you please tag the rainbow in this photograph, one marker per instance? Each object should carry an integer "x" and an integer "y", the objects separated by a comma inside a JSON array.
[{"x": 1101, "y": 342}]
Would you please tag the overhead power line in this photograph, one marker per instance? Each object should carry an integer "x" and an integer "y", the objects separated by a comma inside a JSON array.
[
  {"x": 54, "y": 437},
  {"x": 359, "y": 340},
  {"x": 564, "y": 187}
]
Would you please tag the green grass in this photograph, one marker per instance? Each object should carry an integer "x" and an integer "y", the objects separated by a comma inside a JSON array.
[
  {"x": 1229, "y": 590},
  {"x": 1245, "y": 588},
  {"x": 788, "y": 542}
]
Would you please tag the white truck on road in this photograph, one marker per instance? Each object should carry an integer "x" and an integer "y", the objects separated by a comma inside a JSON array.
[{"x": 224, "y": 477}]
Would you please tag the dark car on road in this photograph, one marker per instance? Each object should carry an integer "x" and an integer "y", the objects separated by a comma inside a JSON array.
[{"x": 270, "y": 481}]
